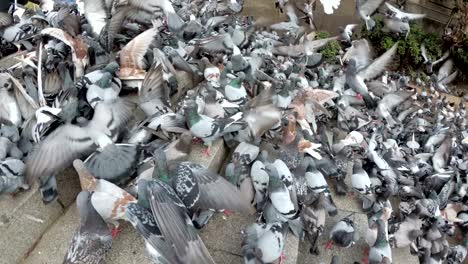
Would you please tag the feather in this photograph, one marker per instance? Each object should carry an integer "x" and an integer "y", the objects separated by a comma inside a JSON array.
[
  {"x": 177, "y": 227},
  {"x": 131, "y": 56},
  {"x": 378, "y": 65}
]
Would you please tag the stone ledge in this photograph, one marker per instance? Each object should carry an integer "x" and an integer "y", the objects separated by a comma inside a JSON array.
[{"x": 25, "y": 218}]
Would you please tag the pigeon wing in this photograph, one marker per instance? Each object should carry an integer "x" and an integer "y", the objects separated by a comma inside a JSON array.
[
  {"x": 379, "y": 64},
  {"x": 444, "y": 57},
  {"x": 400, "y": 14},
  {"x": 215, "y": 191},
  {"x": 112, "y": 28},
  {"x": 360, "y": 51},
  {"x": 177, "y": 227},
  {"x": 369, "y": 7},
  {"x": 424, "y": 52},
  {"x": 132, "y": 54},
  {"x": 445, "y": 70},
  {"x": 96, "y": 15},
  {"x": 153, "y": 87},
  {"x": 57, "y": 151},
  {"x": 449, "y": 78}
]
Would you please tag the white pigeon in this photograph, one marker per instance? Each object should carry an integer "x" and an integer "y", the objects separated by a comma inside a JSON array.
[{"x": 330, "y": 5}]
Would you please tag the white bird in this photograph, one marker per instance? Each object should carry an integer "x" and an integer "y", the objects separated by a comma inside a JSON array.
[{"x": 329, "y": 6}]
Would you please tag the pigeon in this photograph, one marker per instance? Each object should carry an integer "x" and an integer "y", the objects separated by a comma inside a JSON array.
[
  {"x": 263, "y": 242},
  {"x": 10, "y": 113},
  {"x": 313, "y": 218},
  {"x": 360, "y": 179},
  {"x": 175, "y": 224},
  {"x": 380, "y": 251},
  {"x": 343, "y": 234},
  {"x": 317, "y": 183},
  {"x": 93, "y": 239},
  {"x": 69, "y": 141},
  {"x": 397, "y": 20},
  {"x": 428, "y": 61},
  {"x": 209, "y": 129},
  {"x": 355, "y": 78},
  {"x": 260, "y": 180},
  {"x": 366, "y": 10},
  {"x": 347, "y": 32},
  {"x": 209, "y": 186},
  {"x": 444, "y": 76}
]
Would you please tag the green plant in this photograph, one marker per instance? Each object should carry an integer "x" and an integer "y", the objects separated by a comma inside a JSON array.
[{"x": 330, "y": 50}]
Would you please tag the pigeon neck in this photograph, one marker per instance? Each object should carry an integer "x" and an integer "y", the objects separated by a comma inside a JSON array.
[
  {"x": 381, "y": 234},
  {"x": 160, "y": 170},
  {"x": 192, "y": 116}
]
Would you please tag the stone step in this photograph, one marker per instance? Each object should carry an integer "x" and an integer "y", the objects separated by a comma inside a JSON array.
[{"x": 24, "y": 218}]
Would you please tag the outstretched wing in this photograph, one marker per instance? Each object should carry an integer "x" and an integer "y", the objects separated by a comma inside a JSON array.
[
  {"x": 153, "y": 91},
  {"x": 131, "y": 56},
  {"x": 379, "y": 64},
  {"x": 215, "y": 192},
  {"x": 424, "y": 52},
  {"x": 57, "y": 151},
  {"x": 401, "y": 15},
  {"x": 369, "y": 7},
  {"x": 96, "y": 15}
]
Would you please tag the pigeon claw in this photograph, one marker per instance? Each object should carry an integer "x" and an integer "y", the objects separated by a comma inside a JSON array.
[
  {"x": 329, "y": 245},
  {"x": 365, "y": 257},
  {"x": 115, "y": 231},
  {"x": 207, "y": 152},
  {"x": 282, "y": 258},
  {"x": 359, "y": 96},
  {"x": 228, "y": 212}
]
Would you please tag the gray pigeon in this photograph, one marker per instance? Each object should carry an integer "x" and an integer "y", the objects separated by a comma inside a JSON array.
[
  {"x": 343, "y": 233},
  {"x": 263, "y": 243},
  {"x": 68, "y": 142},
  {"x": 366, "y": 10},
  {"x": 93, "y": 239},
  {"x": 355, "y": 78},
  {"x": 380, "y": 252}
]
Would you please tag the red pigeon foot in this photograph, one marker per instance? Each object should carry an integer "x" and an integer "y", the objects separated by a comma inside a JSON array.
[
  {"x": 207, "y": 152},
  {"x": 282, "y": 258},
  {"x": 365, "y": 255},
  {"x": 115, "y": 231},
  {"x": 228, "y": 212},
  {"x": 359, "y": 96},
  {"x": 329, "y": 245}
]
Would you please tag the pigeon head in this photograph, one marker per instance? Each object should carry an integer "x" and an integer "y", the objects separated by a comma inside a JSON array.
[
  {"x": 87, "y": 181},
  {"x": 112, "y": 67},
  {"x": 237, "y": 82},
  {"x": 105, "y": 81},
  {"x": 190, "y": 104}
]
